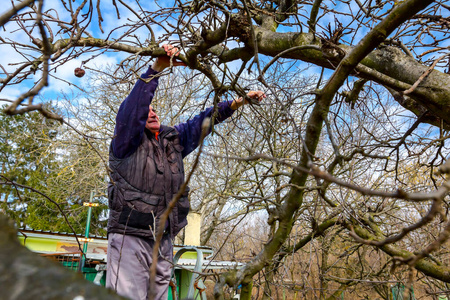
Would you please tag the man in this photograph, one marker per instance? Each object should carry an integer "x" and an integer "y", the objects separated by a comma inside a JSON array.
[{"x": 146, "y": 161}]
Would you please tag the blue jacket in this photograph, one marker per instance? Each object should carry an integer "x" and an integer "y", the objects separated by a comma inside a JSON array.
[{"x": 133, "y": 113}]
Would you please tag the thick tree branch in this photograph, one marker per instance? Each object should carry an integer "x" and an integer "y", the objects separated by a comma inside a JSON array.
[{"x": 14, "y": 10}]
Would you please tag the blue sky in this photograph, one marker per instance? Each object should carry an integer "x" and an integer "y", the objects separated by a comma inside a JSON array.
[
  {"x": 66, "y": 72},
  {"x": 9, "y": 55}
]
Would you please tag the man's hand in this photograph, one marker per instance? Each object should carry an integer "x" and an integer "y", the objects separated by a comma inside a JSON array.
[
  {"x": 256, "y": 95},
  {"x": 163, "y": 62}
]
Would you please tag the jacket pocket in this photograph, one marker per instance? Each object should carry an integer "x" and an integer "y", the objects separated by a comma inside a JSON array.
[
  {"x": 173, "y": 152},
  {"x": 132, "y": 218},
  {"x": 139, "y": 210},
  {"x": 182, "y": 212},
  {"x": 142, "y": 202}
]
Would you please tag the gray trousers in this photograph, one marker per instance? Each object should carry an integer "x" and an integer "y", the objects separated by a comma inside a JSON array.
[{"x": 129, "y": 261}]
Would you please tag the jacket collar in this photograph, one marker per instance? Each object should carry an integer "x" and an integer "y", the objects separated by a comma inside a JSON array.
[{"x": 165, "y": 132}]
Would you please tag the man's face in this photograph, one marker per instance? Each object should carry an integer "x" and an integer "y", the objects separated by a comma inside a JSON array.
[{"x": 153, "y": 123}]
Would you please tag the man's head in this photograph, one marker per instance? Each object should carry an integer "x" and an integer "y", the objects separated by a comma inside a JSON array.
[{"x": 153, "y": 123}]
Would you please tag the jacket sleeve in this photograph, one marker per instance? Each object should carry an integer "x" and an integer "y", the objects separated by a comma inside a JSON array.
[
  {"x": 190, "y": 131},
  {"x": 132, "y": 116}
]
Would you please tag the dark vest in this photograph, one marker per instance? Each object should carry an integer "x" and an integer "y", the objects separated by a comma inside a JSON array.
[{"x": 143, "y": 185}]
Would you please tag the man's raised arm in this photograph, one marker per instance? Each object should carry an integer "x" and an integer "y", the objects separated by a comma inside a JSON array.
[{"x": 190, "y": 131}]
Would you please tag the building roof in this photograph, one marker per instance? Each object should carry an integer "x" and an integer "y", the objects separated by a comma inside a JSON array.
[
  {"x": 55, "y": 243},
  {"x": 27, "y": 232}
]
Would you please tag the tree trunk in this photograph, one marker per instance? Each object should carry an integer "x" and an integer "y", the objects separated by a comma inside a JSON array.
[{"x": 26, "y": 275}]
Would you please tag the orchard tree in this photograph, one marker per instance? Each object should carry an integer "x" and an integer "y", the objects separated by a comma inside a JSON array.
[{"x": 360, "y": 151}]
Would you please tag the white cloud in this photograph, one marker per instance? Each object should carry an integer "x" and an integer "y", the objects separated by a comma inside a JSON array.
[{"x": 9, "y": 93}]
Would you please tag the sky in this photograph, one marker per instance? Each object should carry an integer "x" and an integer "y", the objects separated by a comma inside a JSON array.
[
  {"x": 69, "y": 82},
  {"x": 66, "y": 72}
]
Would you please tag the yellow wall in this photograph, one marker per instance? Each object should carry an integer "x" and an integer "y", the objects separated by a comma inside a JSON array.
[{"x": 192, "y": 231}]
